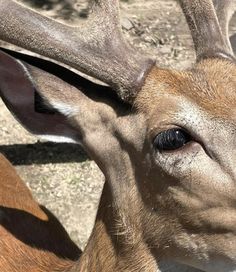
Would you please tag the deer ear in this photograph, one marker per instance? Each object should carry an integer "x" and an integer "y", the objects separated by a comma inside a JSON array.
[{"x": 22, "y": 97}]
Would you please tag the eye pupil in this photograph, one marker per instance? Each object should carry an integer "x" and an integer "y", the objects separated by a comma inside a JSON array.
[{"x": 171, "y": 139}]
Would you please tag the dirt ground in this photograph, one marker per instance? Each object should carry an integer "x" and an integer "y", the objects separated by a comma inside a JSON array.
[{"x": 60, "y": 175}]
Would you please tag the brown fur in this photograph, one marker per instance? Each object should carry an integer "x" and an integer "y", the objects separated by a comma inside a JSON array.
[
  {"x": 30, "y": 235},
  {"x": 157, "y": 205},
  {"x": 194, "y": 86}
]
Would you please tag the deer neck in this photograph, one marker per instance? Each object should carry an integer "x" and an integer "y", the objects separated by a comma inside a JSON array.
[
  {"x": 109, "y": 248},
  {"x": 116, "y": 247}
]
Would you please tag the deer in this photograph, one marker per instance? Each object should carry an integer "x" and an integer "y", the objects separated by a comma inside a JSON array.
[
  {"x": 164, "y": 139},
  {"x": 31, "y": 235}
]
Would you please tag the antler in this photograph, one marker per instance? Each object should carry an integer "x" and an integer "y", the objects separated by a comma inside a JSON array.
[
  {"x": 204, "y": 26},
  {"x": 225, "y": 10},
  {"x": 96, "y": 48}
]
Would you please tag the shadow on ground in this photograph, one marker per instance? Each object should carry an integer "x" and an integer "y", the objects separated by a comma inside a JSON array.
[{"x": 43, "y": 153}]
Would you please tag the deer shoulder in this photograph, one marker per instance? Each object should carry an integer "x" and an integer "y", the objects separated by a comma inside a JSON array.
[{"x": 32, "y": 239}]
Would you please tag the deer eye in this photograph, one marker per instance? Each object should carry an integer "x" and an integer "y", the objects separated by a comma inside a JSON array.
[{"x": 171, "y": 139}]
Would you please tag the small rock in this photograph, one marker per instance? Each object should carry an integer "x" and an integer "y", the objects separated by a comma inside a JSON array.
[
  {"x": 162, "y": 41},
  {"x": 151, "y": 40},
  {"x": 126, "y": 24},
  {"x": 165, "y": 50}
]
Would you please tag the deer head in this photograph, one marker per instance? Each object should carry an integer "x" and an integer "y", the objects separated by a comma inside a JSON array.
[{"x": 164, "y": 139}]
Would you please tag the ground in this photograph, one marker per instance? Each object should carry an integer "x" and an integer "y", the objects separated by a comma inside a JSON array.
[{"x": 60, "y": 175}]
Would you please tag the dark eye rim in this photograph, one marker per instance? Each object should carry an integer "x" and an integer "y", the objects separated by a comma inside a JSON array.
[{"x": 189, "y": 140}]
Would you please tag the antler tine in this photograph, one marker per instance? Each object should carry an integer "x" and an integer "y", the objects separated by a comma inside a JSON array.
[
  {"x": 205, "y": 29},
  {"x": 96, "y": 48},
  {"x": 225, "y": 10}
]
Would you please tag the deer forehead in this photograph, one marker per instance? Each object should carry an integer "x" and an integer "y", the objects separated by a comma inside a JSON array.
[{"x": 210, "y": 87}]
